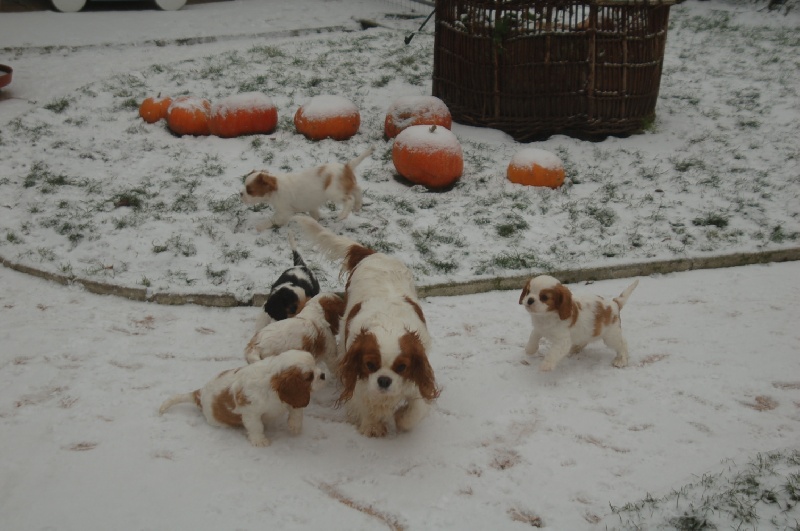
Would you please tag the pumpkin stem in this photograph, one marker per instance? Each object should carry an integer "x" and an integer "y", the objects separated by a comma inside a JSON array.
[{"x": 433, "y": 128}]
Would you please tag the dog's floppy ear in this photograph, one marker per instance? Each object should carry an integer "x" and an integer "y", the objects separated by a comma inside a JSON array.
[
  {"x": 419, "y": 370},
  {"x": 563, "y": 301},
  {"x": 293, "y": 386},
  {"x": 525, "y": 291},
  {"x": 333, "y": 308},
  {"x": 363, "y": 351}
]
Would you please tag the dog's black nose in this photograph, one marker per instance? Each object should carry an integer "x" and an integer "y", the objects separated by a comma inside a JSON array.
[
  {"x": 384, "y": 382},
  {"x": 322, "y": 376},
  {"x": 529, "y": 301}
]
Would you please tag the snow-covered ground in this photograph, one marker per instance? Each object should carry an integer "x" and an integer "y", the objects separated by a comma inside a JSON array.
[
  {"x": 714, "y": 378},
  {"x": 90, "y": 190}
]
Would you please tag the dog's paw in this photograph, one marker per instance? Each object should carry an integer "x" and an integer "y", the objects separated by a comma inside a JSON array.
[
  {"x": 374, "y": 430},
  {"x": 547, "y": 366},
  {"x": 531, "y": 351},
  {"x": 620, "y": 362},
  {"x": 259, "y": 441},
  {"x": 264, "y": 225},
  {"x": 295, "y": 427}
]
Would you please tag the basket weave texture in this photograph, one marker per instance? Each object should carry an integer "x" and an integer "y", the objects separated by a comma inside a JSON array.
[{"x": 537, "y": 68}]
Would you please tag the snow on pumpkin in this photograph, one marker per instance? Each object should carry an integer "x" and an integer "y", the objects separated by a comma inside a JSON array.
[
  {"x": 327, "y": 116},
  {"x": 536, "y": 167},
  {"x": 188, "y": 115},
  {"x": 428, "y": 155},
  {"x": 415, "y": 110},
  {"x": 247, "y": 113}
]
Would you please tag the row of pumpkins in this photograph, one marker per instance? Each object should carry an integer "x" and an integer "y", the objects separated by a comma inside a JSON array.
[{"x": 425, "y": 151}]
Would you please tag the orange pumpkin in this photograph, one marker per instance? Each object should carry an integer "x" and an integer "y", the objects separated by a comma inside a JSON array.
[
  {"x": 327, "y": 117},
  {"x": 243, "y": 114},
  {"x": 415, "y": 110},
  {"x": 536, "y": 167},
  {"x": 155, "y": 108},
  {"x": 428, "y": 155},
  {"x": 188, "y": 115}
]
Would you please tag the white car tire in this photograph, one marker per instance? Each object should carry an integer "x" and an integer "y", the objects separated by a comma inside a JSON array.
[
  {"x": 68, "y": 6},
  {"x": 170, "y": 5}
]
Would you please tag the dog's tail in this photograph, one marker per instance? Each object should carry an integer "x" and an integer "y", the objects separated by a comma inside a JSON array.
[
  {"x": 623, "y": 297},
  {"x": 335, "y": 247},
  {"x": 182, "y": 398},
  {"x": 359, "y": 159},
  {"x": 297, "y": 260}
]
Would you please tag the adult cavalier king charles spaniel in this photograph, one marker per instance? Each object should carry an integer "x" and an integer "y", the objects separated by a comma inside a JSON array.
[{"x": 388, "y": 383}]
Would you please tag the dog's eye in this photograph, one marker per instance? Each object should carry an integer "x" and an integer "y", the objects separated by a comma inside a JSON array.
[
  {"x": 371, "y": 367},
  {"x": 543, "y": 298},
  {"x": 400, "y": 368},
  {"x": 310, "y": 377},
  {"x": 292, "y": 309},
  {"x": 322, "y": 376}
]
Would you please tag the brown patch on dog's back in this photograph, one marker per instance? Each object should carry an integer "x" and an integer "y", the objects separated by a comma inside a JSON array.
[
  {"x": 355, "y": 254},
  {"x": 603, "y": 316},
  {"x": 293, "y": 387},
  {"x": 333, "y": 308},
  {"x": 263, "y": 185},
  {"x": 348, "y": 180},
  {"x": 315, "y": 344},
  {"x": 223, "y": 409}
]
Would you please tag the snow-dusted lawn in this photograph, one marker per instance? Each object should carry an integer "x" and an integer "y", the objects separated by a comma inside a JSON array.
[
  {"x": 91, "y": 190},
  {"x": 702, "y": 427}
]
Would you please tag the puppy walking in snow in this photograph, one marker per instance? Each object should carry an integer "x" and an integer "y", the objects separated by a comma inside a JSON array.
[
  {"x": 263, "y": 390},
  {"x": 305, "y": 191},
  {"x": 570, "y": 322}
]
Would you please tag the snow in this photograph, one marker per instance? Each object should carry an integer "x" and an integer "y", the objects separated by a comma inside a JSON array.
[
  {"x": 406, "y": 110},
  {"x": 191, "y": 103},
  {"x": 528, "y": 157},
  {"x": 255, "y": 101},
  {"x": 328, "y": 106},
  {"x": 714, "y": 375},
  {"x": 429, "y": 139}
]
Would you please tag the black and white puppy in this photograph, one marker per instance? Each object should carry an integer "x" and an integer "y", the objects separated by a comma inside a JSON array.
[{"x": 290, "y": 292}]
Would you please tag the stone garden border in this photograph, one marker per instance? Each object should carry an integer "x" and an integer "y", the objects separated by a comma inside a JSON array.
[{"x": 568, "y": 276}]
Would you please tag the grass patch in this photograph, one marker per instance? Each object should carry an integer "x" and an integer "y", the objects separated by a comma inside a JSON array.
[{"x": 763, "y": 493}]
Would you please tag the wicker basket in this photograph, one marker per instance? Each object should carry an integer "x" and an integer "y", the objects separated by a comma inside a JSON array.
[{"x": 535, "y": 68}]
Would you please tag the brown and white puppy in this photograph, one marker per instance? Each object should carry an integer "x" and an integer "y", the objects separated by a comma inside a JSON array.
[
  {"x": 314, "y": 329},
  {"x": 263, "y": 390},
  {"x": 383, "y": 365},
  {"x": 570, "y": 322},
  {"x": 305, "y": 191}
]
